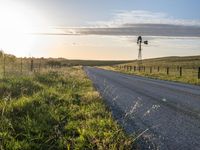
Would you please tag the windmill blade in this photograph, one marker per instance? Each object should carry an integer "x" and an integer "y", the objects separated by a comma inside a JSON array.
[{"x": 146, "y": 42}]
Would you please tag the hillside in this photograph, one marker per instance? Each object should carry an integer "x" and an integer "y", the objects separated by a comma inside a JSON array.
[{"x": 186, "y": 62}]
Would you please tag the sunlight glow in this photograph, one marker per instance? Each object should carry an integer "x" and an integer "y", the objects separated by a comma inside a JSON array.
[{"x": 17, "y": 22}]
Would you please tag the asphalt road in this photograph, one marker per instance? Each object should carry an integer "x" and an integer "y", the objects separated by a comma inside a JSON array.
[{"x": 164, "y": 115}]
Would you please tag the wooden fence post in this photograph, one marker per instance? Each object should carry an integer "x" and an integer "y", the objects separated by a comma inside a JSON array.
[
  {"x": 199, "y": 73},
  {"x": 40, "y": 65},
  {"x": 144, "y": 68},
  {"x": 158, "y": 69},
  {"x": 134, "y": 68},
  {"x": 21, "y": 66},
  {"x": 167, "y": 70},
  {"x": 31, "y": 65},
  {"x": 4, "y": 65}
]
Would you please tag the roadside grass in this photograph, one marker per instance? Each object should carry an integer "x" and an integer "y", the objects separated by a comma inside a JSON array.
[
  {"x": 189, "y": 76},
  {"x": 176, "y": 78},
  {"x": 56, "y": 109},
  {"x": 189, "y": 64}
]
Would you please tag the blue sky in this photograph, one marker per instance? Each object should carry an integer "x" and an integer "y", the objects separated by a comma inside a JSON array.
[
  {"x": 99, "y": 29},
  {"x": 62, "y": 11}
]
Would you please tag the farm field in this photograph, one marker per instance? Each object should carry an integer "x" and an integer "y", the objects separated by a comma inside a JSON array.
[{"x": 56, "y": 109}]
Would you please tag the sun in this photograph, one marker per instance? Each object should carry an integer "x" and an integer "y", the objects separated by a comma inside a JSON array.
[{"x": 16, "y": 24}]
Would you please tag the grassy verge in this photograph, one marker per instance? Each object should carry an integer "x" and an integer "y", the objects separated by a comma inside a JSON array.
[
  {"x": 56, "y": 110},
  {"x": 187, "y": 78}
]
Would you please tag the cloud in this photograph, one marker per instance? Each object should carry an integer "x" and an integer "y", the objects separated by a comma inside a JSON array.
[
  {"x": 139, "y": 29},
  {"x": 137, "y": 22},
  {"x": 143, "y": 17}
]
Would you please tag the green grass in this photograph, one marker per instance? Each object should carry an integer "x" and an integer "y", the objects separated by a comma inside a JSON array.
[{"x": 56, "y": 110}]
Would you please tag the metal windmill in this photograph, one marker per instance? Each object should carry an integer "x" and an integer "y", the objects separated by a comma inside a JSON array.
[{"x": 139, "y": 42}]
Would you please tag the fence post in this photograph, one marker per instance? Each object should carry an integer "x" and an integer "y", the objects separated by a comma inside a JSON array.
[
  {"x": 21, "y": 66},
  {"x": 199, "y": 73},
  {"x": 40, "y": 65},
  {"x": 31, "y": 65},
  {"x": 158, "y": 69},
  {"x": 180, "y": 69},
  {"x": 144, "y": 68},
  {"x": 134, "y": 68},
  {"x": 167, "y": 70}
]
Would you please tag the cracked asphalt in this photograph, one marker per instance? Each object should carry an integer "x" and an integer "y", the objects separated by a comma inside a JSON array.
[{"x": 161, "y": 114}]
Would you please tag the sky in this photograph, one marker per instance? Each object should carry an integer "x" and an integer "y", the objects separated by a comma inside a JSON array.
[{"x": 99, "y": 29}]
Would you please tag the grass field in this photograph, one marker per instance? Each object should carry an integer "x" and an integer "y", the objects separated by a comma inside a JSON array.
[
  {"x": 188, "y": 62},
  {"x": 189, "y": 66},
  {"x": 57, "y": 109}
]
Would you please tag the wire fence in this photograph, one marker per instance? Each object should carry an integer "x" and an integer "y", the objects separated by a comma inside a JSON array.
[
  {"x": 12, "y": 66},
  {"x": 178, "y": 71}
]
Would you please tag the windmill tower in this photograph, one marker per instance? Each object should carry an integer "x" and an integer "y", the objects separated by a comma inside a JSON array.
[{"x": 139, "y": 42}]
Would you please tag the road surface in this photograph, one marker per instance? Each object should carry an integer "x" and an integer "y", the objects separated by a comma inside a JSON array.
[{"x": 164, "y": 115}]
